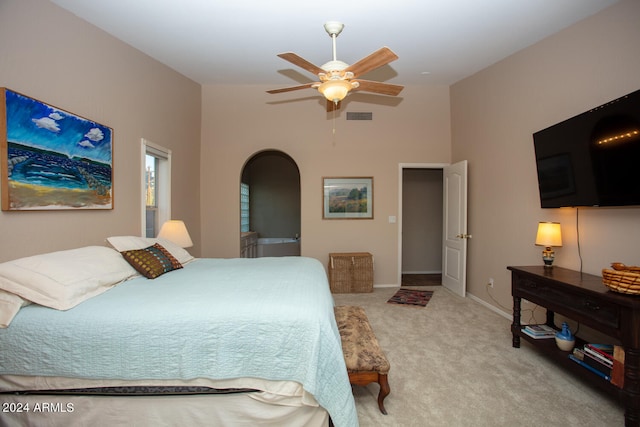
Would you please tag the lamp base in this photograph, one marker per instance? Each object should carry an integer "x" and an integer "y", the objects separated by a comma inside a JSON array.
[{"x": 548, "y": 255}]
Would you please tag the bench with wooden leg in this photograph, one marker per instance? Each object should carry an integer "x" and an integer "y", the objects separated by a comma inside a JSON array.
[{"x": 365, "y": 360}]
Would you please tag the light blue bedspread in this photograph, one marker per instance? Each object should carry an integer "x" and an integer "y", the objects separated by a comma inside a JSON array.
[{"x": 269, "y": 318}]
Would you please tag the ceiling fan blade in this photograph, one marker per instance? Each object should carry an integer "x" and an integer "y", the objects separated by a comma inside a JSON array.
[
  {"x": 378, "y": 87},
  {"x": 377, "y": 59},
  {"x": 301, "y": 62},
  {"x": 289, "y": 89},
  {"x": 333, "y": 106}
]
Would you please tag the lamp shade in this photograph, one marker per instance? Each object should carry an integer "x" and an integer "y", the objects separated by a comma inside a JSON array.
[
  {"x": 335, "y": 90},
  {"x": 549, "y": 234},
  {"x": 175, "y": 231}
]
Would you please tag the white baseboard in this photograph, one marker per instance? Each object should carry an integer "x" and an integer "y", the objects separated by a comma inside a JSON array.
[
  {"x": 490, "y": 307},
  {"x": 470, "y": 295}
]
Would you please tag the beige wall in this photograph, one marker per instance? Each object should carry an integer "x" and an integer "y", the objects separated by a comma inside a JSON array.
[
  {"x": 51, "y": 55},
  {"x": 494, "y": 114},
  {"x": 238, "y": 121}
]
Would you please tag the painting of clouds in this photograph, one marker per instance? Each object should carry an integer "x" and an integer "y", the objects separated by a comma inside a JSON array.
[{"x": 52, "y": 159}]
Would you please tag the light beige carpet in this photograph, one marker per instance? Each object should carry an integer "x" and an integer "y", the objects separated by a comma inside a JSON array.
[{"x": 452, "y": 364}]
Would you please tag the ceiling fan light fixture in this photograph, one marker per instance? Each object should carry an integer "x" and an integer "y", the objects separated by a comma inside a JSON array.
[{"x": 335, "y": 90}]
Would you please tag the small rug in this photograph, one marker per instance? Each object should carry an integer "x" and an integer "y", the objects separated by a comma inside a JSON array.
[{"x": 411, "y": 297}]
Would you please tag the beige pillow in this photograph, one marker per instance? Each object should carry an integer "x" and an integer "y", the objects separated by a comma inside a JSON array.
[
  {"x": 64, "y": 279},
  {"x": 10, "y": 304}
]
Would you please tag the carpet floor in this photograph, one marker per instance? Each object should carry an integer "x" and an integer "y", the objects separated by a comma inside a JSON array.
[{"x": 452, "y": 364}]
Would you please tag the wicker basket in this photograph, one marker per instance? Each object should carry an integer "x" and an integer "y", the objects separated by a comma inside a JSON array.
[
  {"x": 622, "y": 279},
  {"x": 351, "y": 272}
]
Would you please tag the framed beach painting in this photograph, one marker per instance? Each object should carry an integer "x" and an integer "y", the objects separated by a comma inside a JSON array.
[
  {"x": 347, "y": 198},
  {"x": 51, "y": 159}
]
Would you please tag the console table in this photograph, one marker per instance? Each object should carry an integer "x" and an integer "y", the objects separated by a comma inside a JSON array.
[{"x": 583, "y": 298}]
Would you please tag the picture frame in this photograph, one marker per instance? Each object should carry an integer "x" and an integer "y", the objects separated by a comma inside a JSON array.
[
  {"x": 347, "y": 197},
  {"x": 51, "y": 159}
]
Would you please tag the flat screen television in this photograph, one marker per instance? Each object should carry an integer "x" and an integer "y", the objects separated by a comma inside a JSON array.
[{"x": 592, "y": 159}]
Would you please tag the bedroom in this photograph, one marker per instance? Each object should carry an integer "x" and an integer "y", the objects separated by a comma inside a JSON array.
[{"x": 487, "y": 119}]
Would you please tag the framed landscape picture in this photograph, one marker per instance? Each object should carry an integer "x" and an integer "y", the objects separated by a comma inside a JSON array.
[
  {"x": 52, "y": 159},
  {"x": 347, "y": 198}
]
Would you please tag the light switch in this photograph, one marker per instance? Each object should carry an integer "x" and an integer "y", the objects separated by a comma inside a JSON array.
[{"x": 392, "y": 219}]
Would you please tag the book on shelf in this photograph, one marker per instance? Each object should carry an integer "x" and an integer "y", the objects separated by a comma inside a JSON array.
[
  {"x": 617, "y": 371},
  {"x": 590, "y": 368},
  {"x": 606, "y": 350},
  {"x": 539, "y": 331},
  {"x": 591, "y": 361},
  {"x": 588, "y": 348},
  {"x": 538, "y": 336},
  {"x": 613, "y": 373}
]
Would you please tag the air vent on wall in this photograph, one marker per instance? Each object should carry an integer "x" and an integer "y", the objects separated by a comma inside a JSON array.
[{"x": 359, "y": 116}]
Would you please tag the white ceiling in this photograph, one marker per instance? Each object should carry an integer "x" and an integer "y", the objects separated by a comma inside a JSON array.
[{"x": 236, "y": 41}]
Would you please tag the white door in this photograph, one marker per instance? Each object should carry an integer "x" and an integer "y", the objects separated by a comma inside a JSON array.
[{"x": 454, "y": 236}]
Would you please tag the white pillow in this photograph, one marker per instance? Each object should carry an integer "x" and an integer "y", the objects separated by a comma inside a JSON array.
[
  {"x": 64, "y": 279},
  {"x": 10, "y": 304},
  {"x": 130, "y": 243}
]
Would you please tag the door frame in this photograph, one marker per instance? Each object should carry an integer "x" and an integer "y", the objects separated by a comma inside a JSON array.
[{"x": 401, "y": 168}]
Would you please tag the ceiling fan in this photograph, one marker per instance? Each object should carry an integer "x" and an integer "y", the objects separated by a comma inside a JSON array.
[{"x": 337, "y": 78}]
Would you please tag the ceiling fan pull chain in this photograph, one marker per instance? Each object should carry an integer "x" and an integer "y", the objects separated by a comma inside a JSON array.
[{"x": 334, "y": 127}]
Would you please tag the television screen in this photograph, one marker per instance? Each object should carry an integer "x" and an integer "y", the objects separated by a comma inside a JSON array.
[{"x": 592, "y": 159}]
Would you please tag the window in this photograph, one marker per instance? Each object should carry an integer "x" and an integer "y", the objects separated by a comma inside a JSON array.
[
  {"x": 156, "y": 184},
  {"x": 244, "y": 207}
]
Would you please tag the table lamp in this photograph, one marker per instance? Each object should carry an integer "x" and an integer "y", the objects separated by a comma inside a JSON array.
[
  {"x": 549, "y": 235},
  {"x": 175, "y": 231}
]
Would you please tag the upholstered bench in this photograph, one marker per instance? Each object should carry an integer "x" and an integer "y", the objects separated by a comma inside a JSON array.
[{"x": 365, "y": 360}]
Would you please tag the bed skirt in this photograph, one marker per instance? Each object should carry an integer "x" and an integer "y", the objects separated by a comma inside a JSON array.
[
  {"x": 232, "y": 410},
  {"x": 24, "y": 401}
]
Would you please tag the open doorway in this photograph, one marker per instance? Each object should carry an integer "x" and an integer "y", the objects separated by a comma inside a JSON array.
[
  {"x": 453, "y": 228},
  {"x": 421, "y": 221},
  {"x": 270, "y": 205}
]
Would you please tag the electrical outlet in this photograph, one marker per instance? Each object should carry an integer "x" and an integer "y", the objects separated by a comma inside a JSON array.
[{"x": 490, "y": 282}]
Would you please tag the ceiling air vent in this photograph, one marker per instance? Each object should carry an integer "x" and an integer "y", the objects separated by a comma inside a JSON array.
[{"x": 359, "y": 116}]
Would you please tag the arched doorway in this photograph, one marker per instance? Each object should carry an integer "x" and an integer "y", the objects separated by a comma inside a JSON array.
[{"x": 272, "y": 179}]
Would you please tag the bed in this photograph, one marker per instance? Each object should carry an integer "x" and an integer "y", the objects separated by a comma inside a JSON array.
[{"x": 207, "y": 342}]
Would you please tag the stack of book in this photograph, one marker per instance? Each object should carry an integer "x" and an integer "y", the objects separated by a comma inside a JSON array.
[
  {"x": 605, "y": 360},
  {"x": 539, "y": 331}
]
